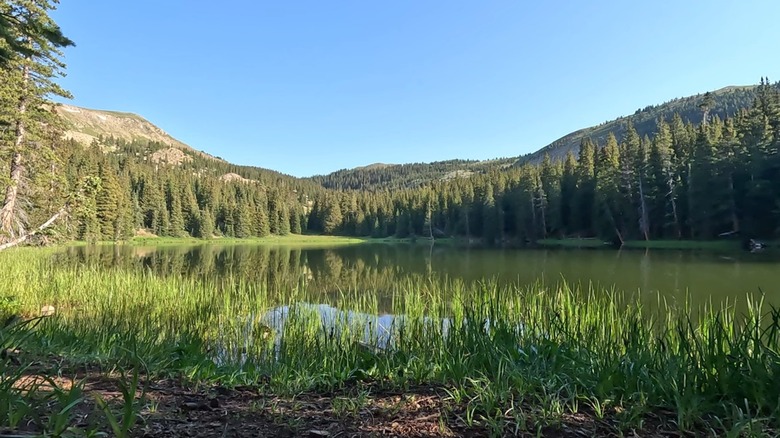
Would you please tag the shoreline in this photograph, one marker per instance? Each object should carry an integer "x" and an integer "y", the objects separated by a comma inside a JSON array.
[{"x": 317, "y": 240}]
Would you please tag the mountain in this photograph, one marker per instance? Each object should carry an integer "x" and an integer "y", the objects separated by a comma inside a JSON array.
[
  {"x": 115, "y": 131},
  {"x": 124, "y": 133},
  {"x": 724, "y": 102},
  {"x": 88, "y": 125},
  {"x": 381, "y": 176}
]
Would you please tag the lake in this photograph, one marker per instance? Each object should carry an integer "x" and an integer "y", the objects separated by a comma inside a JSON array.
[{"x": 326, "y": 272}]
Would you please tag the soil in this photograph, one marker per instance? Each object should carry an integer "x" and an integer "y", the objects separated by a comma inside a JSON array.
[{"x": 171, "y": 409}]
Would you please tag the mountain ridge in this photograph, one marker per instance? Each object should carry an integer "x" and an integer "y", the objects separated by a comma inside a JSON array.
[
  {"x": 87, "y": 125},
  {"x": 726, "y": 102}
]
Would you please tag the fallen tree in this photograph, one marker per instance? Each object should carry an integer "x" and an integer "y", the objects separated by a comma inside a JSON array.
[{"x": 11, "y": 243}]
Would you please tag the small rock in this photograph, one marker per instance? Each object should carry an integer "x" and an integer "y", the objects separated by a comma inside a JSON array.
[
  {"x": 47, "y": 310},
  {"x": 194, "y": 406},
  {"x": 314, "y": 433}
]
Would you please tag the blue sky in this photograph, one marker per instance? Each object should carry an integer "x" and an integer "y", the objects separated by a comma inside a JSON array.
[{"x": 309, "y": 87}]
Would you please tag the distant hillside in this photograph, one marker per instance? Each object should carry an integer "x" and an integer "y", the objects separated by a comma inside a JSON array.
[
  {"x": 725, "y": 102},
  {"x": 397, "y": 176},
  {"x": 130, "y": 134},
  {"x": 87, "y": 125}
]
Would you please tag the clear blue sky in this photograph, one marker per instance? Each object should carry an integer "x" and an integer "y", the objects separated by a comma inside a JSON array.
[{"x": 308, "y": 87}]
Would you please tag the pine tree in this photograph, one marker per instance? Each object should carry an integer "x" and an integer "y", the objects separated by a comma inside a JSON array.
[
  {"x": 243, "y": 220},
  {"x": 701, "y": 186},
  {"x": 295, "y": 222},
  {"x": 630, "y": 164},
  {"x": 109, "y": 202},
  {"x": 569, "y": 199},
  {"x": 661, "y": 185},
  {"x": 609, "y": 216},
  {"x": 263, "y": 226},
  {"x": 489, "y": 216},
  {"x": 27, "y": 31},
  {"x": 30, "y": 61},
  {"x": 550, "y": 196},
  {"x": 206, "y": 224},
  {"x": 176, "y": 216},
  {"x": 332, "y": 216},
  {"x": 584, "y": 202},
  {"x": 283, "y": 220}
]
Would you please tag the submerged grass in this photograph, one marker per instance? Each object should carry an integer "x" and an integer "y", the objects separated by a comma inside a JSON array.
[{"x": 513, "y": 357}]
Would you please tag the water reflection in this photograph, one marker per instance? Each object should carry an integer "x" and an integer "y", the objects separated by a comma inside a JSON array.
[{"x": 669, "y": 275}]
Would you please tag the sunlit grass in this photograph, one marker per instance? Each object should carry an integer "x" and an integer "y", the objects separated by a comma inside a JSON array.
[{"x": 513, "y": 356}]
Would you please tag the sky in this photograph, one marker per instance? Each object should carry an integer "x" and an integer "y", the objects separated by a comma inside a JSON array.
[{"x": 310, "y": 87}]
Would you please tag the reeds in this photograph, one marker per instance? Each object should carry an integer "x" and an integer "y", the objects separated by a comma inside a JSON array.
[{"x": 511, "y": 357}]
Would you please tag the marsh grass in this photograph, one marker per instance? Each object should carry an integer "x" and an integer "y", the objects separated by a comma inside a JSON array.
[{"x": 510, "y": 357}]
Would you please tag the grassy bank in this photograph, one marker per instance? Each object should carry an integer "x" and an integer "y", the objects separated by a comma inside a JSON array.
[
  {"x": 298, "y": 240},
  {"x": 499, "y": 359},
  {"x": 290, "y": 239}
]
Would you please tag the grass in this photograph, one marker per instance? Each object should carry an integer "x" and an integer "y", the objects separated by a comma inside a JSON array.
[
  {"x": 287, "y": 240},
  {"x": 510, "y": 358},
  {"x": 290, "y": 239}
]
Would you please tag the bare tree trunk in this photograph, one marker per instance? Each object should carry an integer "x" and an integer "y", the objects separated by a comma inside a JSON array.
[
  {"x": 534, "y": 227},
  {"x": 543, "y": 208},
  {"x": 644, "y": 220},
  {"x": 10, "y": 223},
  {"x": 614, "y": 224},
  {"x": 733, "y": 205},
  {"x": 45, "y": 225},
  {"x": 676, "y": 218},
  {"x": 429, "y": 220}
]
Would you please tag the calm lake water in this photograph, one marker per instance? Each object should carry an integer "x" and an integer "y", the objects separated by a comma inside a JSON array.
[{"x": 702, "y": 276}]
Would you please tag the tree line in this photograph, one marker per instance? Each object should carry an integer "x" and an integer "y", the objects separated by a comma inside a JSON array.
[
  {"x": 718, "y": 178},
  {"x": 129, "y": 194},
  {"x": 715, "y": 178}
]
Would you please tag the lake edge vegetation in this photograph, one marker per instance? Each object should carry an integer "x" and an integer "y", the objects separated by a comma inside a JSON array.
[{"x": 503, "y": 358}]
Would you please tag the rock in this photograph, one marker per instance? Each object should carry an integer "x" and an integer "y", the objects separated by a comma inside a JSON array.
[
  {"x": 194, "y": 406},
  {"x": 47, "y": 310}
]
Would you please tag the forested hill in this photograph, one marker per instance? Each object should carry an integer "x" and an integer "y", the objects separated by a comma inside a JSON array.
[
  {"x": 403, "y": 176},
  {"x": 725, "y": 102},
  {"x": 123, "y": 133},
  {"x": 122, "y": 176},
  {"x": 722, "y": 103}
]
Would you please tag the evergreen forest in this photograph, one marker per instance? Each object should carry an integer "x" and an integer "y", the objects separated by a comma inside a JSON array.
[{"x": 708, "y": 176}]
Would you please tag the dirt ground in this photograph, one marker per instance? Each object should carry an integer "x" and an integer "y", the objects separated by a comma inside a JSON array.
[{"x": 170, "y": 409}]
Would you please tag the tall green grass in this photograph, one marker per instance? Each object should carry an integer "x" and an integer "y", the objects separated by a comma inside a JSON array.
[{"x": 511, "y": 357}]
